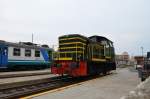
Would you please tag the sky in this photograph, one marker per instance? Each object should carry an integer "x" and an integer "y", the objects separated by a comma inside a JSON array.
[{"x": 125, "y": 22}]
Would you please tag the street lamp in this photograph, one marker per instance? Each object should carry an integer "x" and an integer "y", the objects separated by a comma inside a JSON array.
[
  {"x": 32, "y": 37},
  {"x": 142, "y": 50}
]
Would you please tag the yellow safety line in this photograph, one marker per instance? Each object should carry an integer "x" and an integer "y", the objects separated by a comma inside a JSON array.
[
  {"x": 55, "y": 90},
  {"x": 72, "y": 38}
]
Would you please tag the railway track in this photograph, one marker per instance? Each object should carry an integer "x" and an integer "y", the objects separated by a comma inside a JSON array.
[
  {"x": 30, "y": 88},
  {"x": 36, "y": 87}
]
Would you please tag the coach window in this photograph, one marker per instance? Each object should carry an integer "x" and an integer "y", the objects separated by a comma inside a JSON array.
[
  {"x": 28, "y": 53},
  {"x": 37, "y": 53},
  {"x": 16, "y": 52}
]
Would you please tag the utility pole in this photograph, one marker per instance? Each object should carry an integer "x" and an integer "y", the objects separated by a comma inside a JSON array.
[
  {"x": 32, "y": 37},
  {"x": 142, "y": 50}
]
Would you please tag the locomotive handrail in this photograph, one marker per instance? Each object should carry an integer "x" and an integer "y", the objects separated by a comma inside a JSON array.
[
  {"x": 71, "y": 52},
  {"x": 98, "y": 59},
  {"x": 72, "y": 38},
  {"x": 71, "y": 47},
  {"x": 64, "y": 58},
  {"x": 72, "y": 43},
  {"x": 107, "y": 57}
]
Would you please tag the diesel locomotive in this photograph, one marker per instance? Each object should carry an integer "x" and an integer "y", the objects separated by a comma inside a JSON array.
[
  {"x": 24, "y": 55},
  {"x": 82, "y": 56}
]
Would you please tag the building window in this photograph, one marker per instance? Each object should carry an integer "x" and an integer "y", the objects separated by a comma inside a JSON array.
[
  {"x": 37, "y": 53},
  {"x": 16, "y": 52},
  {"x": 28, "y": 53}
]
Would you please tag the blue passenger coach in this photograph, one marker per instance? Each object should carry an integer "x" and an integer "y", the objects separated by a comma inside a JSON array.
[{"x": 24, "y": 55}]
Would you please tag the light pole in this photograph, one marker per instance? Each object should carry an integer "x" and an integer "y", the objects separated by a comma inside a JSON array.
[
  {"x": 142, "y": 50},
  {"x": 32, "y": 37}
]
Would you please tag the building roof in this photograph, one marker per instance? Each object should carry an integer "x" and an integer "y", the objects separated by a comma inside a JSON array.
[{"x": 125, "y": 53}]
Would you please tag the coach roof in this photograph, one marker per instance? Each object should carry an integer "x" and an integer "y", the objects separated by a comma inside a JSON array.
[{"x": 23, "y": 45}]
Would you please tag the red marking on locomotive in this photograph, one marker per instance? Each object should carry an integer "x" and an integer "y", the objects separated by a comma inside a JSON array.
[{"x": 66, "y": 68}]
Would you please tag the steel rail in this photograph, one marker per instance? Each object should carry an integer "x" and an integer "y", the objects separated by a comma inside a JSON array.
[
  {"x": 16, "y": 92},
  {"x": 53, "y": 83}
]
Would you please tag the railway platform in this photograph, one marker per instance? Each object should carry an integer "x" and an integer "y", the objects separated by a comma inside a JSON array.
[
  {"x": 16, "y": 79},
  {"x": 22, "y": 79},
  {"x": 112, "y": 86},
  {"x": 23, "y": 73}
]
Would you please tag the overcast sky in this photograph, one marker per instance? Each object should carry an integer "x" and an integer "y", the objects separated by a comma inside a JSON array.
[{"x": 125, "y": 22}]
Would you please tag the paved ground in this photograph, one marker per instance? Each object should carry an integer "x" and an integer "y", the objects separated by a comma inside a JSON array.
[
  {"x": 26, "y": 78},
  {"x": 23, "y": 72},
  {"x": 22, "y": 79},
  {"x": 109, "y": 87}
]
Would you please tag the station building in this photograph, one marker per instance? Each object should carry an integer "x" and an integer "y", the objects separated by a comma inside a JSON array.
[{"x": 122, "y": 59}]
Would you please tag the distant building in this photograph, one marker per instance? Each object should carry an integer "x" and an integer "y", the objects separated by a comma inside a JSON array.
[
  {"x": 132, "y": 60},
  {"x": 123, "y": 59},
  {"x": 139, "y": 61}
]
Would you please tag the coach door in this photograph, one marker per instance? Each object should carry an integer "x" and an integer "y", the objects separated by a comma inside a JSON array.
[{"x": 3, "y": 56}]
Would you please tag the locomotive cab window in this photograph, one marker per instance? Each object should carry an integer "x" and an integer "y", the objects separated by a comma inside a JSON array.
[
  {"x": 37, "y": 53},
  {"x": 16, "y": 52},
  {"x": 28, "y": 53}
]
